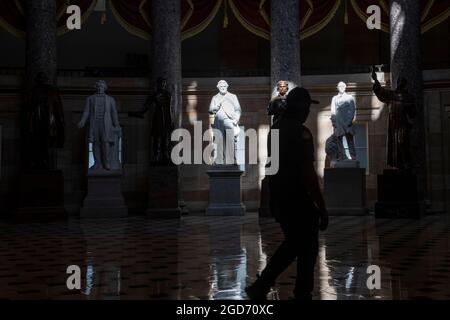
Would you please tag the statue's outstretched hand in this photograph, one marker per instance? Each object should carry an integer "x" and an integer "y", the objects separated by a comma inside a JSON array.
[
  {"x": 80, "y": 124},
  {"x": 374, "y": 74}
]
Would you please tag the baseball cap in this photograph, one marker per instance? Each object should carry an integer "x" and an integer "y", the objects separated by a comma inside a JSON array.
[
  {"x": 298, "y": 97},
  {"x": 300, "y": 94}
]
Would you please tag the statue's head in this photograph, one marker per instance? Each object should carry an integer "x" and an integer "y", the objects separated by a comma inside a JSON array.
[
  {"x": 298, "y": 103},
  {"x": 282, "y": 87},
  {"x": 341, "y": 87},
  {"x": 222, "y": 85},
  {"x": 101, "y": 86},
  {"x": 401, "y": 83},
  {"x": 41, "y": 78},
  {"x": 161, "y": 83}
]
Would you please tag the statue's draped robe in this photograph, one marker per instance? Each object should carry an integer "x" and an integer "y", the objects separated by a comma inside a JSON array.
[{"x": 401, "y": 111}]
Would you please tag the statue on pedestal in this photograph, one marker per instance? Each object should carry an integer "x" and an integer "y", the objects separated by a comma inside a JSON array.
[
  {"x": 227, "y": 112},
  {"x": 342, "y": 114},
  {"x": 402, "y": 111},
  {"x": 104, "y": 127},
  {"x": 277, "y": 105},
  {"x": 161, "y": 121},
  {"x": 44, "y": 125}
]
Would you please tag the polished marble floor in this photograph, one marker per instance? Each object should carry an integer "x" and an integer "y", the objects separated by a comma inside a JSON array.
[{"x": 215, "y": 257}]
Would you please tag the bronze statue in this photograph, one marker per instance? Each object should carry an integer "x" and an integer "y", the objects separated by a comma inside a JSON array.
[
  {"x": 161, "y": 121},
  {"x": 277, "y": 105},
  {"x": 44, "y": 125},
  {"x": 401, "y": 114}
]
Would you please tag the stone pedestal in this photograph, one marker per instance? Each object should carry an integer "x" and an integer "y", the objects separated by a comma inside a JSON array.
[
  {"x": 398, "y": 196},
  {"x": 104, "y": 198},
  {"x": 225, "y": 191},
  {"x": 345, "y": 191},
  {"x": 345, "y": 164},
  {"x": 41, "y": 196},
  {"x": 163, "y": 192}
]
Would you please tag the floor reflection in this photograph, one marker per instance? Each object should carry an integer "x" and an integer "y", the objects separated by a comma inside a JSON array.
[{"x": 215, "y": 257}]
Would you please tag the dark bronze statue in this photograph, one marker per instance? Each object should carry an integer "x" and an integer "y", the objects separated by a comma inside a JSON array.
[
  {"x": 277, "y": 105},
  {"x": 161, "y": 121},
  {"x": 402, "y": 111},
  {"x": 43, "y": 125}
]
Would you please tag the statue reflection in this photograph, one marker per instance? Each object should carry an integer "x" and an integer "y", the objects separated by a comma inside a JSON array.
[
  {"x": 102, "y": 270},
  {"x": 344, "y": 260},
  {"x": 228, "y": 265}
]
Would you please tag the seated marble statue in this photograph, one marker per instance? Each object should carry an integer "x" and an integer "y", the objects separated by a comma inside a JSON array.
[
  {"x": 104, "y": 127},
  {"x": 227, "y": 112}
]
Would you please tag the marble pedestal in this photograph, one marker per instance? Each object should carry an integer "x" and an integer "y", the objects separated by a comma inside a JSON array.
[
  {"x": 398, "y": 196},
  {"x": 163, "y": 192},
  {"x": 41, "y": 196},
  {"x": 225, "y": 191},
  {"x": 345, "y": 191},
  {"x": 104, "y": 198}
]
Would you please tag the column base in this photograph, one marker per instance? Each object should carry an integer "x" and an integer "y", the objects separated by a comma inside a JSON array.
[
  {"x": 41, "y": 197},
  {"x": 163, "y": 192},
  {"x": 398, "y": 196}
]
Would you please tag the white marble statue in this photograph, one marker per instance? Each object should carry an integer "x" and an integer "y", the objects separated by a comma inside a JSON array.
[
  {"x": 342, "y": 114},
  {"x": 104, "y": 128},
  {"x": 227, "y": 112}
]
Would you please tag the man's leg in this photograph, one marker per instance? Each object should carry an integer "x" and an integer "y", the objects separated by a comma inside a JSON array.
[
  {"x": 306, "y": 261},
  {"x": 219, "y": 141},
  {"x": 282, "y": 258},
  {"x": 96, "y": 148},
  {"x": 341, "y": 150},
  {"x": 105, "y": 155},
  {"x": 351, "y": 145}
]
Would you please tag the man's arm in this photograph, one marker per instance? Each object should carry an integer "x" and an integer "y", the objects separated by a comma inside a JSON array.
[
  {"x": 382, "y": 94},
  {"x": 85, "y": 115},
  {"x": 114, "y": 115},
  {"x": 351, "y": 111},
  {"x": 213, "y": 107},
  {"x": 237, "y": 108},
  {"x": 311, "y": 180},
  {"x": 312, "y": 184},
  {"x": 140, "y": 114}
]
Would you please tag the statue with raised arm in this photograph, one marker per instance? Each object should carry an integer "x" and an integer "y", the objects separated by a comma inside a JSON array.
[
  {"x": 104, "y": 128},
  {"x": 161, "y": 121},
  {"x": 44, "y": 124},
  {"x": 227, "y": 112},
  {"x": 342, "y": 114},
  {"x": 400, "y": 118},
  {"x": 277, "y": 105}
]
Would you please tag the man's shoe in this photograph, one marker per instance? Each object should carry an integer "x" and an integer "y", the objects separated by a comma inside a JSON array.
[{"x": 257, "y": 291}]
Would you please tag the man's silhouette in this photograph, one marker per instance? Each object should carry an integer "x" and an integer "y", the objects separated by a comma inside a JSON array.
[{"x": 296, "y": 201}]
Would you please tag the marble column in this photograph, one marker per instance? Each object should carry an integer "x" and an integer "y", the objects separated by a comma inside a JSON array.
[
  {"x": 166, "y": 63},
  {"x": 40, "y": 40},
  {"x": 284, "y": 61},
  {"x": 166, "y": 49},
  {"x": 285, "y": 41},
  {"x": 406, "y": 62}
]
